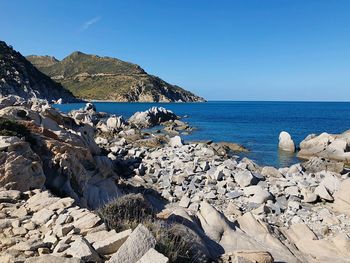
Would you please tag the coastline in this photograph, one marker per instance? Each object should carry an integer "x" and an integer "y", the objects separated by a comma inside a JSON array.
[
  {"x": 161, "y": 102},
  {"x": 97, "y": 159}
]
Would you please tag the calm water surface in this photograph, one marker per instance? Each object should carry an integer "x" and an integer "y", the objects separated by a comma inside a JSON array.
[{"x": 256, "y": 125}]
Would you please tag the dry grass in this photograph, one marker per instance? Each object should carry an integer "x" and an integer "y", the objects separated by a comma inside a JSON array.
[{"x": 173, "y": 240}]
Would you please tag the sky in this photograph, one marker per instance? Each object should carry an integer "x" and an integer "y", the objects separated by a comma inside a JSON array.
[{"x": 293, "y": 50}]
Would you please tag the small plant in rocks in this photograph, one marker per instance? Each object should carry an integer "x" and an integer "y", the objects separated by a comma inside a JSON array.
[{"x": 127, "y": 212}]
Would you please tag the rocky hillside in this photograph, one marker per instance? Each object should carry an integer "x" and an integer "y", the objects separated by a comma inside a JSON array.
[
  {"x": 19, "y": 77},
  {"x": 105, "y": 78}
]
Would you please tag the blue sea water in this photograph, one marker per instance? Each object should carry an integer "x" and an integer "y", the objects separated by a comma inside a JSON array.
[{"x": 255, "y": 125}]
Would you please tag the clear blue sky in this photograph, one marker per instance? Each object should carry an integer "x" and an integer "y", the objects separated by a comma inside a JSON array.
[{"x": 222, "y": 50}]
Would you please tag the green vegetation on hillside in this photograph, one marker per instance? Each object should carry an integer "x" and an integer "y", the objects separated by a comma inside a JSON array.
[{"x": 105, "y": 78}]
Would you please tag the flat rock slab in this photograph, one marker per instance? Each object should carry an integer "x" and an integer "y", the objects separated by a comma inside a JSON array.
[
  {"x": 153, "y": 256},
  {"x": 112, "y": 243},
  {"x": 9, "y": 196},
  {"x": 29, "y": 245},
  {"x": 52, "y": 259},
  {"x": 42, "y": 216},
  {"x": 81, "y": 249},
  {"x": 86, "y": 222},
  {"x": 138, "y": 243}
]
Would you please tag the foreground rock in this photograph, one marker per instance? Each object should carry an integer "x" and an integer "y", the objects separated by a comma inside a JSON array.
[{"x": 39, "y": 227}]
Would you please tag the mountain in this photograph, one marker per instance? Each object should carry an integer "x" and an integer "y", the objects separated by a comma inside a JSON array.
[
  {"x": 104, "y": 78},
  {"x": 19, "y": 77}
]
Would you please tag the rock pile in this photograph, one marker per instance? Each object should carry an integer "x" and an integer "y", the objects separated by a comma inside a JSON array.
[
  {"x": 59, "y": 152},
  {"x": 333, "y": 147},
  {"x": 152, "y": 117},
  {"x": 39, "y": 227},
  {"x": 233, "y": 209}
]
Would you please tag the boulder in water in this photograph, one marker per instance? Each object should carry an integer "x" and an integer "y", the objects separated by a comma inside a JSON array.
[{"x": 285, "y": 142}]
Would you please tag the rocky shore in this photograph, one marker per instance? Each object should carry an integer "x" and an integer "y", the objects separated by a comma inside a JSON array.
[{"x": 89, "y": 187}]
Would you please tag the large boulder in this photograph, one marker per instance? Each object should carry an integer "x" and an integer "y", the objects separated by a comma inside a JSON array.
[
  {"x": 116, "y": 122},
  {"x": 249, "y": 234},
  {"x": 19, "y": 165},
  {"x": 176, "y": 141},
  {"x": 285, "y": 142},
  {"x": 329, "y": 146},
  {"x": 152, "y": 117},
  {"x": 334, "y": 249},
  {"x": 87, "y": 115},
  {"x": 135, "y": 247},
  {"x": 317, "y": 164},
  {"x": 342, "y": 198}
]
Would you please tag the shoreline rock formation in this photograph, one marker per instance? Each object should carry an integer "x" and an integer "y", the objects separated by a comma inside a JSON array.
[
  {"x": 198, "y": 199},
  {"x": 329, "y": 146}
]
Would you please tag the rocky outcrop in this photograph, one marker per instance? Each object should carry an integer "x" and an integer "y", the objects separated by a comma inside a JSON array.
[
  {"x": 286, "y": 143},
  {"x": 60, "y": 153},
  {"x": 342, "y": 198},
  {"x": 317, "y": 164},
  {"x": 19, "y": 77},
  {"x": 19, "y": 165},
  {"x": 152, "y": 117},
  {"x": 329, "y": 146},
  {"x": 103, "y": 78}
]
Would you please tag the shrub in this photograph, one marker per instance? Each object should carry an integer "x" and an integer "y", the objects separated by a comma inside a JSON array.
[
  {"x": 127, "y": 212},
  {"x": 174, "y": 240},
  {"x": 12, "y": 128}
]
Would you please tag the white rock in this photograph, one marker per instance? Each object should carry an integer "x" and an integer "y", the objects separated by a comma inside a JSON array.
[
  {"x": 138, "y": 243},
  {"x": 184, "y": 202},
  {"x": 112, "y": 243},
  {"x": 153, "y": 256},
  {"x": 81, "y": 249},
  {"x": 244, "y": 178},
  {"x": 322, "y": 192},
  {"x": 42, "y": 216},
  {"x": 285, "y": 142},
  {"x": 260, "y": 195},
  {"x": 176, "y": 141}
]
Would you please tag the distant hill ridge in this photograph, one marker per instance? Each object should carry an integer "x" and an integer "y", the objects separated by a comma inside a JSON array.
[
  {"x": 19, "y": 77},
  {"x": 105, "y": 78}
]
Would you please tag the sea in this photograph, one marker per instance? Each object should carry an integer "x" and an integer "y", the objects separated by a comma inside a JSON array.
[{"x": 255, "y": 125}]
